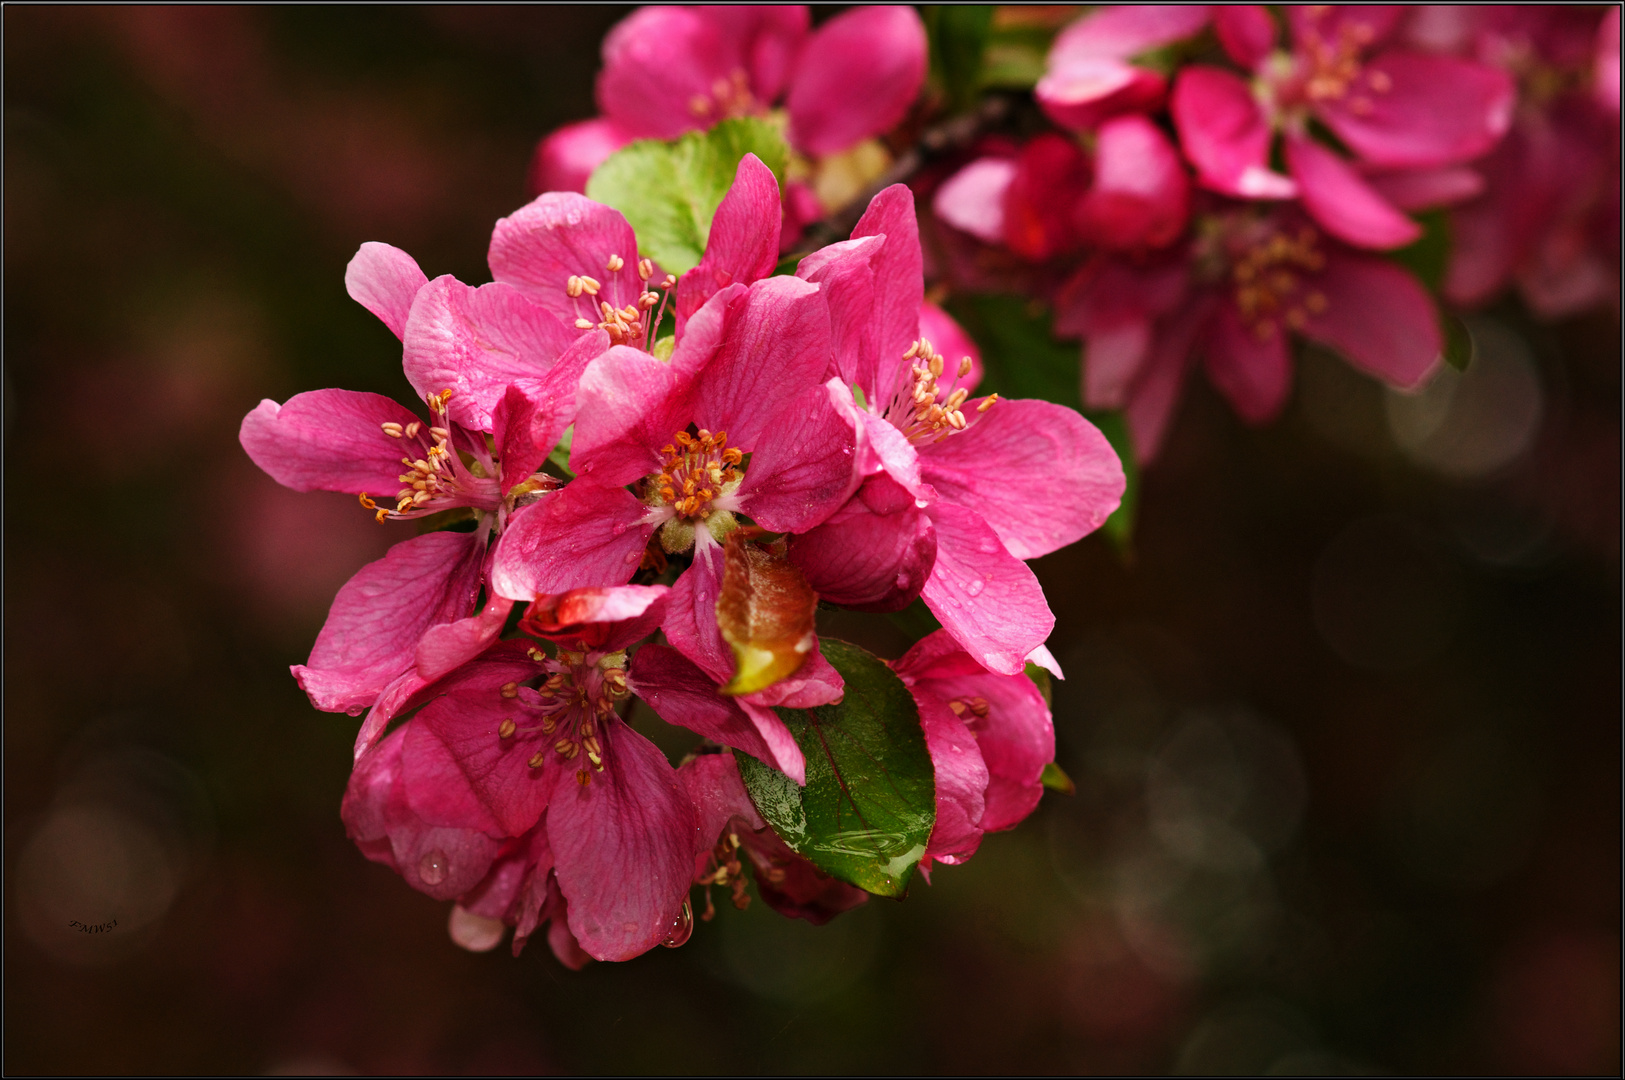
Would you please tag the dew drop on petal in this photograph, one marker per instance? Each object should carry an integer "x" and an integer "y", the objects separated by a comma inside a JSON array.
[
  {"x": 633, "y": 556},
  {"x": 902, "y": 580},
  {"x": 682, "y": 927},
  {"x": 432, "y": 868},
  {"x": 975, "y": 587}
]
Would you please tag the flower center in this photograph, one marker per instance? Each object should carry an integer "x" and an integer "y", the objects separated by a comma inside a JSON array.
[
  {"x": 921, "y": 409},
  {"x": 625, "y": 319},
  {"x": 437, "y": 478},
  {"x": 730, "y": 96},
  {"x": 1269, "y": 280},
  {"x": 565, "y": 713},
  {"x": 1330, "y": 67},
  {"x": 696, "y": 484}
]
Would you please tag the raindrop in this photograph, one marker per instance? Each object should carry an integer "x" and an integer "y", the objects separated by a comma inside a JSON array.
[
  {"x": 633, "y": 556},
  {"x": 988, "y": 545},
  {"x": 975, "y": 588},
  {"x": 682, "y": 927},
  {"x": 433, "y": 866},
  {"x": 618, "y": 529},
  {"x": 902, "y": 580}
]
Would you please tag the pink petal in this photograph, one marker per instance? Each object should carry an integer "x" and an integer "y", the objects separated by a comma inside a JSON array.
[
  {"x": 539, "y": 247},
  {"x": 1051, "y": 176},
  {"x": 1341, "y": 201},
  {"x": 1038, "y": 473},
  {"x": 1122, "y": 31},
  {"x": 1246, "y": 31},
  {"x": 661, "y": 67},
  {"x": 1156, "y": 391},
  {"x": 1379, "y": 317},
  {"x": 719, "y": 796},
  {"x": 628, "y": 405},
  {"x": 744, "y": 239},
  {"x": 802, "y": 467},
  {"x": 624, "y": 845},
  {"x": 874, "y": 554},
  {"x": 597, "y": 620},
  {"x": 899, "y": 286},
  {"x": 1141, "y": 195},
  {"x": 961, "y": 779},
  {"x": 1225, "y": 134},
  {"x": 844, "y": 274},
  {"x": 1425, "y": 189},
  {"x": 985, "y": 597},
  {"x": 972, "y": 199},
  {"x": 815, "y": 683},
  {"x": 1109, "y": 293},
  {"x": 768, "y": 36},
  {"x": 384, "y": 279},
  {"x": 461, "y": 771},
  {"x": 1046, "y": 660},
  {"x": 446, "y": 647},
  {"x": 856, "y": 77},
  {"x": 1368, "y": 24},
  {"x": 1111, "y": 360},
  {"x": 476, "y": 342},
  {"x": 776, "y": 345},
  {"x": 565, "y": 159},
  {"x": 378, "y": 617},
  {"x": 504, "y": 662},
  {"x": 1607, "y": 85},
  {"x": 680, "y": 693},
  {"x": 691, "y": 614},
  {"x": 1253, "y": 372},
  {"x": 1411, "y": 109},
  {"x": 1081, "y": 93},
  {"x": 377, "y": 817},
  {"x": 579, "y": 536},
  {"x": 950, "y": 339},
  {"x": 327, "y": 440}
]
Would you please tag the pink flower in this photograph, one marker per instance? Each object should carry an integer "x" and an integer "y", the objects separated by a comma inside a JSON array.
[
  {"x": 977, "y": 477},
  {"x": 1395, "y": 109},
  {"x": 511, "y": 369},
  {"x": 990, "y": 737},
  {"x": 1090, "y": 76},
  {"x": 495, "y": 756},
  {"x": 1234, "y": 295},
  {"x": 1548, "y": 217},
  {"x": 668, "y": 70},
  {"x": 744, "y": 377}
]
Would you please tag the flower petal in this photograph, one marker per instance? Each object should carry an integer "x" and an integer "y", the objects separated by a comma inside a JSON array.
[
  {"x": 624, "y": 845},
  {"x": 874, "y": 554},
  {"x": 899, "y": 287},
  {"x": 628, "y": 405},
  {"x": 461, "y": 771},
  {"x": 327, "y": 440},
  {"x": 1051, "y": 176},
  {"x": 856, "y": 77},
  {"x": 1379, "y": 317},
  {"x": 744, "y": 239},
  {"x": 803, "y": 467},
  {"x": 691, "y": 613},
  {"x": 379, "y": 615},
  {"x": 680, "y": 693},
  {"x": 1080, "y": 93},
  {"x": 972, "y": 199},
  {"x": 961, "y": 780},
  {"x": 1342, "y": 202},
  {"x": 602, "y": 620},
  {"x": 384, "y": 279},
  {"x": 565, "y": 159},
  {"x": 1111, "y": 360},
  {"x": 985, "y": 597},
  {"x": 1125, "y": 30},
  {"x": 1252, "y": 371},
  {"x": 447, "y": 646},
  {"x": 661, "y": 66},
  {"x": 843, "y": 273},
  {"x": 1411, "y": 109},
  {"x": 1246, "y": 32},
  {"x": 1140, "y": 196},
  {"x": 539, "y": 247},
  {"x": 582, "y": 535},
  {"x": 768, "y": 37},
  {"x": 1041, "y": 475},
  {"x": 1412, "y": 190},
  {"x": 950, "y": 339},
  {"x": 1225, "y": 135}
]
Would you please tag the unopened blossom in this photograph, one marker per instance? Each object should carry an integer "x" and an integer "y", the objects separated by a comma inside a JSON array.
[
  {"x": 1395, "y": 109},
  {"x": 668, "y": 70},
  {"x": 957, "y": 491},
  {"x": 522, "y": 736},
  {"x": 659, "y": 445},
  {"x": 403, "y": 465},
  {"x": 989, "y": 736},
  {"x": 1235, "y": 295}
]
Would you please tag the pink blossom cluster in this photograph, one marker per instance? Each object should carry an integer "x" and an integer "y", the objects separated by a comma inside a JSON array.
[
  {"x": 1223, "y": 179},
  {"x": 497, "y": 656}
]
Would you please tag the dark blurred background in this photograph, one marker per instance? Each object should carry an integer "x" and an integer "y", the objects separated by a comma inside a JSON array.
[{"x": 1344, "y": 721}]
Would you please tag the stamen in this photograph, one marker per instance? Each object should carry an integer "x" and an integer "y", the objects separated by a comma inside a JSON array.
[
  {"x": 392, "y": 429},
  {"x": 510, "y": 690},
  {"x": 646, "y": 269},
  {"x": 590, "y": 285},
  {"x": 507, "y": 728},
  {"x": 614, "y": 264},
  {"x": 537, "y": 760}
]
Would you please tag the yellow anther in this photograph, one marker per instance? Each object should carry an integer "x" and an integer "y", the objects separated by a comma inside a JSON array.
[
  {"x": 590, "y": 285},
  {"x": 964, "y": 367},
  {"x": 646, "y": 269},
  {"x": 987, "y": 403},
  {"x": 614, "y": 264},
  {"x": 584, "y": 324},
  {"x": 510, "y": 690},
  {"x": 536, "y": 760},
  {"x": 507, "y": 728},
  {"x": 392, "y": 429}
]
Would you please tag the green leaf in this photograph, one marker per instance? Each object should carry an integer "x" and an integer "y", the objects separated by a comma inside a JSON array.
[
  {"x": 1017, "y": 48},
  {"x": 866, "y": 813},
  {"x": 1054, "y": 778},
  {"x": 560, "y": 455},
  {"x": 669, "y": 191},
  {"x": 958, "y": 36},
  {"x": 1040, "y": 678},
  {"x": 1458, "y": 343},
  {"x": 1429, "y": 254}
]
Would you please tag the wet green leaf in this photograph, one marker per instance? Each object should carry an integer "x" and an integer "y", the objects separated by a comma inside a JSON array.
[
  {"x": 559, "y": 457},
  {"x": 669, "y": 191},
  {"x": 958, "y": 35},
  {"x": 1041, "y": 679},
  {"x": 866, "y": 813},
  {"x": 1056, "y": 779}
]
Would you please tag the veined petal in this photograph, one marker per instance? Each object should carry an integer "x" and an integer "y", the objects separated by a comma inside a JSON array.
[
  {"x": 1252, "y": 369},
  {"x": 899, "y": 287},
  {"x": 680, "y": 693},
  {"x": 384, "y": 279},
  {"x": 856, "y": 77},
  {"x": 447, "y": 646},
  {"x": 327, "y": 440},
  {"x": 961, "y": 781},
  {"x": 1341, "y": 201},
  {"x": 985, "y": 597},
  {"x": 602, "y": 620},
  {"x": 972, "y": 199},
  {"x": 1412, "y": 109},
  {"x": 744, "y": 239},
  {"x": 582, "y": 535},
  {"x": 874, "y": 554},
  {"x": 560, "y": 235},
  {"x": 661, "y": 67},
  {"x": 802, "y": 467},
  {"x": 1225, "y": 135},
  {"x": 461, "y": 771},
  {"x": 1038, "y": 473},
  {"x": 628, "y": 404},
  {"x": 844, "y": 276},
  {"x": 624, "y": 845},
  {"x": 1379, "y": 317},
  {"x": 691, "y": 615},
  {"x": 380, "y": 614}
]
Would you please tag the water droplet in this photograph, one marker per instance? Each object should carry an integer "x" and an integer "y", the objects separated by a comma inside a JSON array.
[
  {"x": 989, "y": 545},
  {"x": 633, "y": 556},
  {"x": 432, "y": 869},
  {"x": 618, "y": 528},
  {"x": 682, "y": 927},
  {"x": 975, "y": 588},
  {"x": 902, "y": 580}
]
